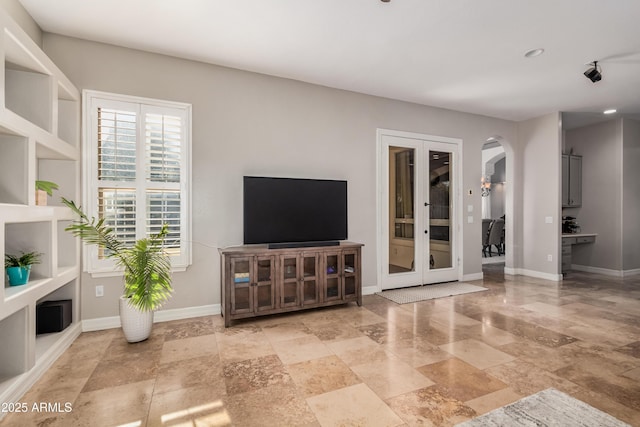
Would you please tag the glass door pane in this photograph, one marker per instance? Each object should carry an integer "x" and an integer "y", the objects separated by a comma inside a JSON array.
[
  {"x": 290, "y": 282},
  {"x": 332, "y": 278},
  {"x": 266, "y": 294},
  {"x": 440, "y": 197},
  {"x": 241, "y": 296},
  {"x": 349, "y": 274},
  {"x": 310, "y": 284},
  {"x": 401, "y": 210}
]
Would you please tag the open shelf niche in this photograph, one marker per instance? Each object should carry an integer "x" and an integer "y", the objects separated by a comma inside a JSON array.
[
  {"x": 13, "y": 167},
  {"x": 39, "y": 140}
]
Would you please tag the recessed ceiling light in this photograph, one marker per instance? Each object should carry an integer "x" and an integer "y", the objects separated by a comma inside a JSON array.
[
  {"x": 533, "y": 53},
  {"x": 611, "y": 111}
]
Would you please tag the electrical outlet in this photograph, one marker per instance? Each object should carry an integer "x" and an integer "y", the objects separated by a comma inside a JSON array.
[
  {"x": 549, "y": 257},
  {"x": 99, "y": 291}
]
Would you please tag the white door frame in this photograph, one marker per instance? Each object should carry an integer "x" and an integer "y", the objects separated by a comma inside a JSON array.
[{"x": 385, "y": 280}]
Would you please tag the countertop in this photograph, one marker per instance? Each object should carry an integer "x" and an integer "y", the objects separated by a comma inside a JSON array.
[{"x": 579, "y": 234}]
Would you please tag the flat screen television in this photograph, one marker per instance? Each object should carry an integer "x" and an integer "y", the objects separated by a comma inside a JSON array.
[{"x": 292, "y": 212}]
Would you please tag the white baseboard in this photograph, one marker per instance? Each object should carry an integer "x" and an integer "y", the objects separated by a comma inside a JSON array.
[
  {"x": 510, "y": 271},
  {"x": 605, "y": 271},
  {"x": 21, "y": 384},
  {"x": 533, "y": 273},
  {"x": 472, "y": 277},
  {"x": 634, "y": 272},
  {"x": 102, "y": 323},
  {"x": 596, "y": 270},
  {"x": 186, "y": 313},
  {"x": 369, "y": 290}
]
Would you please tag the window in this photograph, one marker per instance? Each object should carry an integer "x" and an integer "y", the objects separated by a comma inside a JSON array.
[{"x": 136, "y": 172}]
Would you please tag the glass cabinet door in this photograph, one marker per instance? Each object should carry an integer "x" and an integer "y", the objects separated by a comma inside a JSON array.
[
  {"x": 290, "y": 281},
  {"x": 265, "y": 290},
  {"x": 350, "y": 274},
  {"x": 310, "y": 291},
  {"x": 241, "y": 295},
  {"x": 332, "y": 289}
]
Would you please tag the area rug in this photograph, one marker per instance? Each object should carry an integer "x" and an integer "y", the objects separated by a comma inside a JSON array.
[
  {"x": 548, "y": 408},
  {"x": 421, "y": 293}
]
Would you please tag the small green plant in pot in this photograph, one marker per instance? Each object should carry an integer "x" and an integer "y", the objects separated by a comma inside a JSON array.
[
  {"x": 18, "y": 268},
  {"x": 146, "y": 266},
  {"x": 44, "y": 189}
]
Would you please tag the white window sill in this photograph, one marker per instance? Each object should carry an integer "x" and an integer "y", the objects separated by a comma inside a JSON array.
[{"x": 116, "y": 273}]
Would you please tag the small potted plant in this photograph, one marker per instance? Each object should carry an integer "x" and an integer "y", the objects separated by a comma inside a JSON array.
[
  {"x": 44, "y": 189},
  {"x": 19, "y": 267},
  {"x": 147, "y": 271}
]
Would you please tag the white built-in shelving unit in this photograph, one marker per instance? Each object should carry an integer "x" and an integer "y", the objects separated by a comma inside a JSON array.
[{"x": 39, "y": 140}]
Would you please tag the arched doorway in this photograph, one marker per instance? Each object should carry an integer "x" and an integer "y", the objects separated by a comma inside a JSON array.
[{"x": 496, "y": 224}]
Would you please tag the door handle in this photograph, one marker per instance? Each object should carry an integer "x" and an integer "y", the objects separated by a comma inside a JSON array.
[{"x": 426, "y": 231}]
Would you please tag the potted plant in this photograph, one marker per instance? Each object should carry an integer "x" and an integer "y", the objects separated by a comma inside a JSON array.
[
  {"x": 44, "y": 189},
  {"x": 146, "y": 266},
  {"x": 19, "y": 267}
]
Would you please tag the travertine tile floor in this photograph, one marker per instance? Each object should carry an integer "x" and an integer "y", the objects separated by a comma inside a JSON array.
[{"x": 436, "y": 363}]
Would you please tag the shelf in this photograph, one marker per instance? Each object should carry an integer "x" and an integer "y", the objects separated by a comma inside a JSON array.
[
  {"x": 39, "y": 288},
  {"x": 13, "y": 167},
  {"x": 29, "y": 95},
  {"x": 10, "y": 213},
  {"x": 68, "y": 126},
  {"x": 39, "y": 140},
  {"x": 68, "y": 246},
  {"x": 56, "y": 342},
  {"x": 16, "y": 52},
  {"x": 14, "y": 344},
  {"x": 14, "y": 292}
]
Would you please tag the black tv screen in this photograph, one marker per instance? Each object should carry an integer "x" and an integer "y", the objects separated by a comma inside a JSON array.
[{"x": 296, "y": 211}]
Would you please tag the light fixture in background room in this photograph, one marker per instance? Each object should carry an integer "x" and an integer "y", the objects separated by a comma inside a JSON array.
[
  {"x": 610, "y": 111},
  {"x": 485, "y": 185},
  {"x": 593, "y": 73}
]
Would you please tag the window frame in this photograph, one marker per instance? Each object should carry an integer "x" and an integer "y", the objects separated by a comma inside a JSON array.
[{"x": 91, "y": 101}]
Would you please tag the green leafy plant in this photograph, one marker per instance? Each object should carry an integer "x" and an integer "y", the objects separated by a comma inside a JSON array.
[
  {"x": 147, "y": 268},
  {"x": 46, "y": 186},
  {"x": 24, "y": 260}
]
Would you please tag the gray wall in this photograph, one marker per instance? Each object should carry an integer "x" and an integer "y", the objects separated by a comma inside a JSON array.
[
  {"x": 246, "y": 123},
  {"x": 539, "y": 142},
  {"x": 631, "y": 194},
  {"x": 600, "y": 146}
]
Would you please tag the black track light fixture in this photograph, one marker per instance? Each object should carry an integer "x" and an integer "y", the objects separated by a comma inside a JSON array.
[{"x": 593, "y": 73}]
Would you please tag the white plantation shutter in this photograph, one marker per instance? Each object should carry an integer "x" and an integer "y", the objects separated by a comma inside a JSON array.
[
  {"x": 118, "y": 208},
  {"x": 116, "y": 145},
  {"x": 163, "y": 137},
  {"x": 163, "y": 207},
  {"x": 136, "y": 169}
]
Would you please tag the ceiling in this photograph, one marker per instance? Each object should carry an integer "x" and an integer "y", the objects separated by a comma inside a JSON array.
[{"x": 464, "y": 55}]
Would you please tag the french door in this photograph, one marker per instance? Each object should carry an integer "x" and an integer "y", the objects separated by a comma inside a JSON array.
[{"x": 419, "y": 220}]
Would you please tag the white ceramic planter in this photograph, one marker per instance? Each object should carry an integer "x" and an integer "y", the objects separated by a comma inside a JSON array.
[{"x": 136, "y": 324}]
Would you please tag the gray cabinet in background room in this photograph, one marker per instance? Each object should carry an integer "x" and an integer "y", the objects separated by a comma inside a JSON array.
[{"x": 571, "y": 181}]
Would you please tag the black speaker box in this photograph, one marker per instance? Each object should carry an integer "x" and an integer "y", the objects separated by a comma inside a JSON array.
[{"x": 53, "y": 316}]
